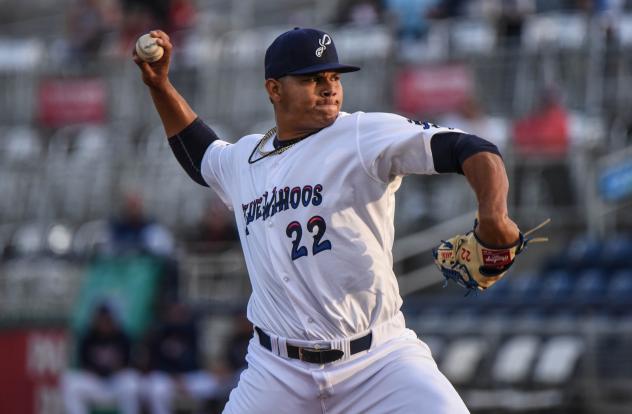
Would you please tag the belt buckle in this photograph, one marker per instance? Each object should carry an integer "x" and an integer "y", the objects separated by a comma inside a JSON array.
[{"x": 317, "y": 349}]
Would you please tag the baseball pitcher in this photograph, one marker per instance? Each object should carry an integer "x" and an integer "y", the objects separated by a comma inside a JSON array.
[{"x": 314, "y": 200}]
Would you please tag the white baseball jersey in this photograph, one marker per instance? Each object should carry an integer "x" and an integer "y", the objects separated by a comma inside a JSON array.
[{"x": 316, "y": 221}]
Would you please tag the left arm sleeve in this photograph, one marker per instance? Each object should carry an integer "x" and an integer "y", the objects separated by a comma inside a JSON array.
[{"x": 451, "y": 149}]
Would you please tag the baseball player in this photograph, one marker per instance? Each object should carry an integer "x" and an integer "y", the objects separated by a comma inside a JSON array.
[{"x": 314, "y": 202}]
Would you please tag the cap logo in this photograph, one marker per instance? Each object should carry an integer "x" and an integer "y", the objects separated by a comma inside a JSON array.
[{"x": 326, "y": 40}]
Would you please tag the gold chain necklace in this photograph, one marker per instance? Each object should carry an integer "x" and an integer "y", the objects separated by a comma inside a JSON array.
[
  {"x": 280, "y": 150},
  {"x": 264, "y": 140}
]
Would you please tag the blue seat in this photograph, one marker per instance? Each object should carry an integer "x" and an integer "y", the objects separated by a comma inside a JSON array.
[
  {"x": 620, "y": 286},
  {"x": 591, "y": 285},
  {"x": 584, "y": 251},
  {"x": 524, "y": 285},
  {"x": 617, "y": 252},
  {"x": 498, "y": 291},
  {"x": 559, "y": 285}
]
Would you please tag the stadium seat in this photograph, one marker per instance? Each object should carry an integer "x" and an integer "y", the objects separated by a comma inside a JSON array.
[
  {"x": 617, "y": 252},
  {"x": 21, "y": 144},
  {"x": 59, "y": 239},
  {"x": 475, "y": 36},
  {"x": 514, "y": 359},
  {"x": 462, "y": 358},
  {"x": 28, "y": 239},
  {"x": 620, "y": 287},
  {"x": 586, "y": 129},
  {"x": 498, "y": 292},
  {"x": 559, "y": 285},
  {"x": 90, "y": 238},
  {"x": 584, "y": 251},
  {"x": 591, "y": 285},
  {"x": 564, "y": 31},
  {"x": 363, "y": 43},
  {"x": 572, "y": 30},
  {"x": 538, "y": 31},
  {"x": 624, "y": 29},
  {"x": 558, "y": 359},
  {"x": 524, "y": 286}
]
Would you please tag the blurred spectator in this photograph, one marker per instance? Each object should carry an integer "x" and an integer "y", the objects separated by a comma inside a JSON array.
[
  {"x": 360, "y": 12},
  {"x": 510, "y": 16},
  {"x": 175, "y": 362},
  {"x": 547, "y": 6},
  {"x": 543, "y": 137},
  {"x": 410, "y": 17},
  {"x": 136, "y": 21},
  {"x": 103, "y": 375},
  {"x": 599, "y": 6},
  {"x": 89, "y": 22},
  {"x": 472, "y": 119},
  {"x": 181, "y": 15},
  {"x": 134, "y": 232},
  {"x": 158, "y": 10},
  {"x": 545, "y": 131},
  {"x": 448, "y": 9},
  {"x": 172, "y": 16},
  {"x": 215, "y": 232}
]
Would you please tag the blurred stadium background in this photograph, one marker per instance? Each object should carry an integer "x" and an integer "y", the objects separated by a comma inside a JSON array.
[{"x": 94, "y": 208}]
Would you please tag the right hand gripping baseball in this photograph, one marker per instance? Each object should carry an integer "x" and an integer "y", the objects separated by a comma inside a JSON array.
[
  {"x": 155, "y": 74},
  {"x": 465, "y": 260}
]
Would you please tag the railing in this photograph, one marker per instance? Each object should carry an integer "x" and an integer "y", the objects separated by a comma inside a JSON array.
[{"x": 214, "y": 279}]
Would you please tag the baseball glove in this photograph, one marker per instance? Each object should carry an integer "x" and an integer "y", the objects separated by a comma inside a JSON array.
[{"x": 465, "y": 260}]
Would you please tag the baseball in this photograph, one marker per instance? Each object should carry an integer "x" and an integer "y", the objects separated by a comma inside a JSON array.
[{"x": 147, "y": 49}]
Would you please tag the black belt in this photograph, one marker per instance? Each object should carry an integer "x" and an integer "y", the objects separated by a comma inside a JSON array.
[{"x": 316, "y": 355}]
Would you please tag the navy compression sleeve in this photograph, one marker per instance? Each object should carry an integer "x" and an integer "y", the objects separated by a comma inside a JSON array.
[
  {"x": 450, "y": 149},
  {"x": 189, "y": 146}
]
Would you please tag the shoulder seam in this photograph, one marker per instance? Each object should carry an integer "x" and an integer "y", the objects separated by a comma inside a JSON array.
[{"x": 359, "y": 153}]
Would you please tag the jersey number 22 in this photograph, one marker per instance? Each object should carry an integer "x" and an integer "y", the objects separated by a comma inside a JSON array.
[{"x": 294, "y": 231}]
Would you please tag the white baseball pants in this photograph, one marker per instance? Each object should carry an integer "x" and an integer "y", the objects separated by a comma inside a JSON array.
[
  {"x": 398, "y": 376},
  {"x": 82, "y": 389},
  {"x": 159, "y": 389}
]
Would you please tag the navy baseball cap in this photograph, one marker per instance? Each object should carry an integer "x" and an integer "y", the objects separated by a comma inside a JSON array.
[{"x": 301, "y": 52}]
